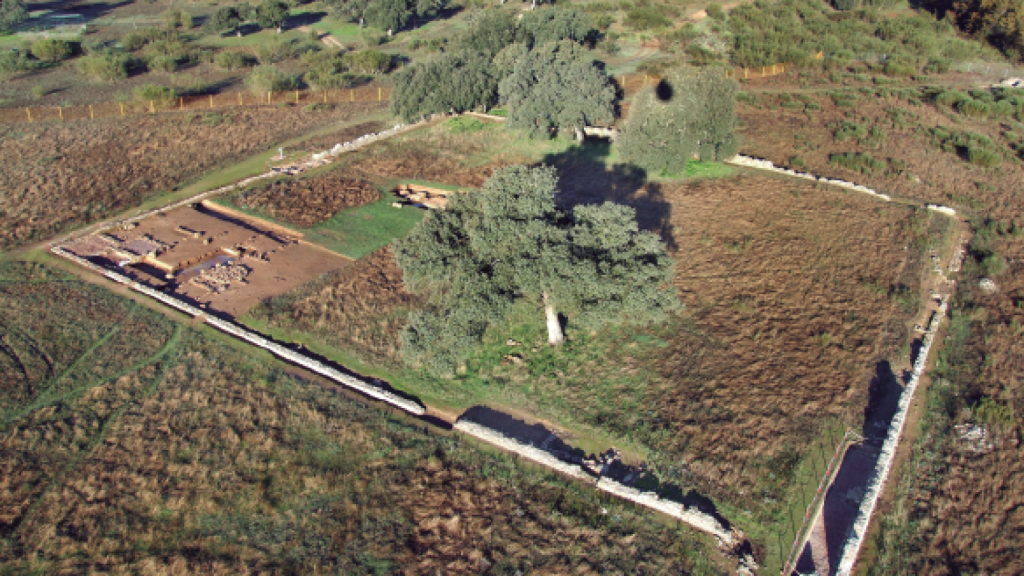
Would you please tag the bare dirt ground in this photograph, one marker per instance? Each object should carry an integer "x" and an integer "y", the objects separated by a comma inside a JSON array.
[
  {"x": 305, "y": 202},
  {"x": 191, "y": 242},
  {"x": 58, "y": 176}
]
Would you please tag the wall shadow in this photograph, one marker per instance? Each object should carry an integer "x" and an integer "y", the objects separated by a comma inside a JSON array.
[
  {"x": 606, "y": 465},
  {"x": 585, "y": 179},
  {"x": 883, "y": 401}
]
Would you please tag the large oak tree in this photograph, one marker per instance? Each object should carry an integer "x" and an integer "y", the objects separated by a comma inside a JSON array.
[{"x": 509, "y": 243}]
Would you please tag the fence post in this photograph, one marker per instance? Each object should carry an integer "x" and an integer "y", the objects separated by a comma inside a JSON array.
[
  {"x": 152, "y": 107},
  {"x": 181, "y": 103},
  {"x": 745, "y": 72},
  {"x": 351, "y": 95},
  {"x": 239, "y": 98},
  {"x": 60, "y": 111},
  {"x": 968, "y": 66},
  {"x": 325, "y": 96},
  {"x": 268, "y": 97},
  {"x": 379, "y": 97},
  {"x": 29, "y": 112},
  {"x": 91, "y": 115},
  {"x": 211, "y": 100},
  {"x": 121, "y": 104}
]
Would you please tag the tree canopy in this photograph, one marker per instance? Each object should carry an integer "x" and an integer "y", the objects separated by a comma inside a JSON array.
[
  {"x": 225, "y": 19},
  {"x": 460, "y": 81},
  {"x": 509, "y": 243},
  {"x": 691, "y": 113},
  {"x": 556, "y": 24},
  {"x": 385, "y": 14},
  {"x": 272, "y": 14},
  {"x": 12, "y": 12},
  {"x": 557, "y": 86}
]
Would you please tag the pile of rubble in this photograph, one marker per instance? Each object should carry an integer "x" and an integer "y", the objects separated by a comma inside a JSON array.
[{"x": 220, "y": 277}]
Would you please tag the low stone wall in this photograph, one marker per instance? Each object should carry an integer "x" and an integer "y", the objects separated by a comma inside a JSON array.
[
  {"x": 691, "y": 516},
  {"x": 857, "y": 533},
  {"x": 253, "y": 338},
  {"x": 749, "y": 162}
]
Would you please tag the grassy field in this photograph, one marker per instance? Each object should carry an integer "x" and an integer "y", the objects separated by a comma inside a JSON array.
[{"x": 180, "y": 453}]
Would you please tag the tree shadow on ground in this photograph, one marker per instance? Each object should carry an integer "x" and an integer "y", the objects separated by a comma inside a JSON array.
[
  {"x": 585, "y": 178},
  {"x": 305, "y": 19}
]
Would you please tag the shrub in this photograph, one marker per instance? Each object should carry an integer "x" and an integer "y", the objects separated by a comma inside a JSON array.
[
  {"x": 973, "y": 108},
  {"x": 133, "y": 41},
  {"x": 844, "y": 5},
  {"x": 172, "y": 18},
  {"x": 38, "y": 92},
  {"x": 848, "y": 130},
  {"x": 982, "y": 157},
  {"x": 893, "y": 68},
  {"x": 160, "y": 96},
  {"x": 265, "y": 79},
  {"x": 646, "y": 19},
  {"x": 861, "y": 163},
  {"x": 951, "y": 98},
  {"x": 367, "y": 62},
  {"x": 793, "y": 105},
  {"x": 51, "y": 49},
  {"x": 715, "y": 12},
  {"x": 321, "y": 79},
  {"x": 938, "y": 66},
  {"x": 231, "y": 60},
  {"x": 165, "y": 64},
  {"x": 464, "y": 125},
  {"x": 104, "y": 66},
  {"x": 186, "y": 21}
]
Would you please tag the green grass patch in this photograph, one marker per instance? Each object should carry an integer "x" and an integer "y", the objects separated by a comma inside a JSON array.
[{"x": 360, "y": 231}]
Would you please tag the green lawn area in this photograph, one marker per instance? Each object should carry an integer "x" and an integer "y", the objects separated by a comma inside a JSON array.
[{"x": 360, "y": 231}]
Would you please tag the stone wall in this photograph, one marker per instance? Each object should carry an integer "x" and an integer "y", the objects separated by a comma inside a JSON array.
[
  {"x": 691, "y": 516},
  {"x": 857, "y": 533},
  {"x": 253, "y": 338}
]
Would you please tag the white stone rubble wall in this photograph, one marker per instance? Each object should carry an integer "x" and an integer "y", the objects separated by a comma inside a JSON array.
[
  {"x": 692, "y": 516},
  {"x": 741, "y": 160},
  {"x": 253, "y": 338},
  {"x": 857, "y": 533}
]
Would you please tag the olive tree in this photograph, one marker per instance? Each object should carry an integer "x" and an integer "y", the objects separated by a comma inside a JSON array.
[
  {"x": 557, "y": 86},
  {"x": 690, "y": 114},
  {"x": 509, "y": 243}
]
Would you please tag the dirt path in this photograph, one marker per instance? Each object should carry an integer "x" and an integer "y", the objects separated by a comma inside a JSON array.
[{"x": 327, "y": 39}]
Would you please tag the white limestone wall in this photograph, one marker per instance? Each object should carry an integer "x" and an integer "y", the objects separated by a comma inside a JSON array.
[
  {"x": 253, "y": 338},
  {"x": 692, "y": 516},
  {"x": 855, "y": 538}
]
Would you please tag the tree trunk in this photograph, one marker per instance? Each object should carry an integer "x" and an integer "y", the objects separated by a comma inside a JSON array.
[
  {"x": 555, "y": 337},
  {"x": 278, "y": 29},
  {"x": 579, "y": 134}
]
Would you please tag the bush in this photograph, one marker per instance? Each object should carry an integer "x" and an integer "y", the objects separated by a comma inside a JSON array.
[
  {"x": 951, "y": 98},
  {"x": 715, "y": 12},
  {"x": 893, "y": 68},
  {"x": 38, "y": 92},
  {"x": 848, "y": 130},
  {"x": 464, "y": 125},
  {"x": 646, "y": 19},
  {"x": 165, "y": 64},
  {"x": 844, "y": 5},
  {"x": 265, "y": 79},
  {"x": 51, "y": 49},
  {"x": 984, "y": 158},
  {"x": 973, "y": 108},
  {"x": 12, "y": 62},
  {"x": 367, "y": 62},
  {"x": 104, "y": 66},
  {"x": 861, "y": 163},
  {"x": 231, "y": 60},
  {"x": 160, "y": 96}
]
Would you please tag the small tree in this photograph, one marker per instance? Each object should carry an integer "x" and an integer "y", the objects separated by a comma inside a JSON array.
[
  {"x": 691, "y": 113},
  {"x": 12, "y": 13},
  {"x": 557, "y": 87},
  {"x": 388, "y": 14},
  {"x": 225, "y": 20},
  {"x": 557, "y": 24},
  {"x": 51, "y": 49},
  {"x": 272, "y": 14},
  {"x": 508, "y": 243}
]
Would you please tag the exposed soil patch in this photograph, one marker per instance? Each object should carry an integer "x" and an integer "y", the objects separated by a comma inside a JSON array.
[
  {"x": 308, "y": 201},
  {"x": 57, "y": 176}
]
